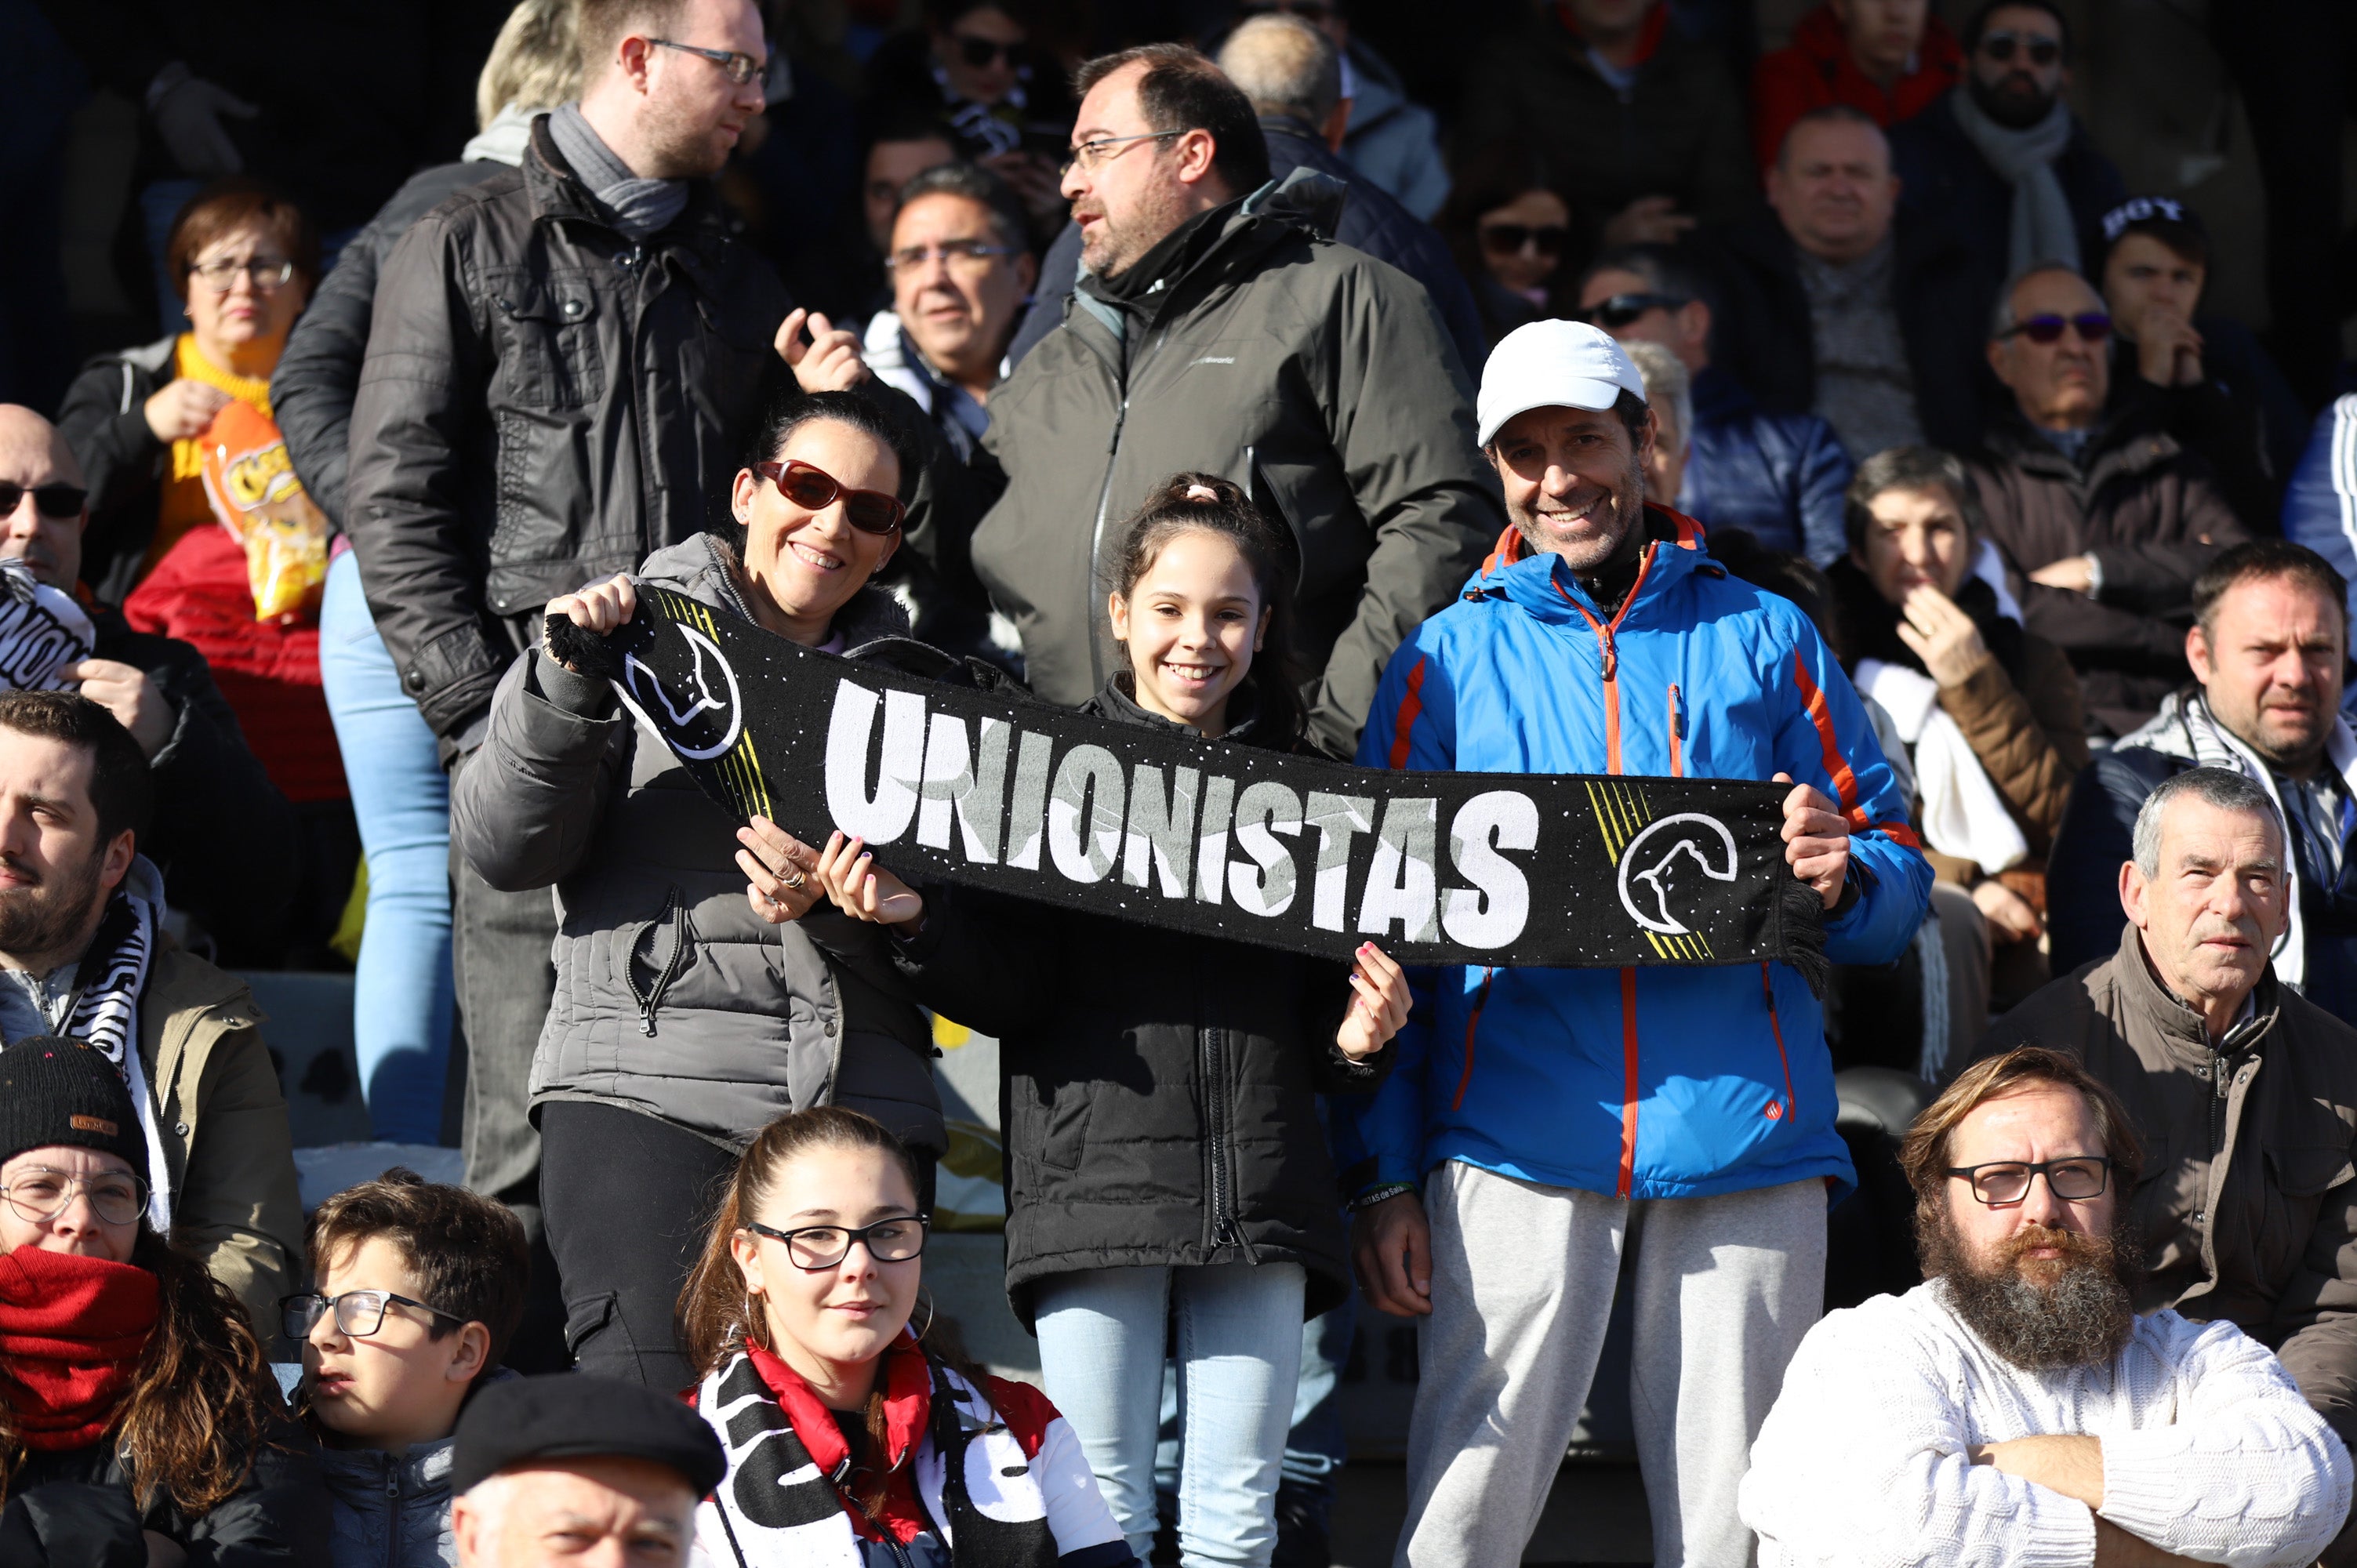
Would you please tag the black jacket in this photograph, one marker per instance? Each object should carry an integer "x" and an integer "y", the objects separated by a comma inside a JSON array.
[
  {"x": 1371, "y": 221},
  {"x": 1762, "y": 334},
  {"x": 311, "y": 392},
  {"x": 1158, "y": 1088},
  {"x": 104, "y": 422},
  {"x": 75, "y": 1507},
  {"x": 544, "y": 403},
  {"x": 2242, "y": 417}
]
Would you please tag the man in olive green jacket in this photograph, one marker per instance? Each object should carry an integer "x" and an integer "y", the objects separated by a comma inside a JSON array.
[
  {"x": 82, "y": 956},
  {"x": 1215, "y": 329}
]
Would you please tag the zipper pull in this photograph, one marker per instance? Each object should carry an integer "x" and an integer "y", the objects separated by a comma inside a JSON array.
[
  {"x": 1612, "y": 655},
  {"x": 1678, "y": 712}
]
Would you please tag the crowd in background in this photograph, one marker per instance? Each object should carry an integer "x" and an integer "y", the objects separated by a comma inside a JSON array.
[{"x": 1583, "y": 390}]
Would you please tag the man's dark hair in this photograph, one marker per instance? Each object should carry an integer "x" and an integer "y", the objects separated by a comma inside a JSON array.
[
  {"x": 2263, "y": 559},
  {"x": 1977, "y": 25},
  {"x": 980, "y": 186},
  {"x": 1923, "y": 1154},
  {"x": 1829, "y": 115},
  {"x": 1183, "y": 90},
  {"x": 122, "y": 789},
  {"x": 1662, "y": 268},
  {"x": 603, "y": 23},
  {"x": 1915, "y": 468},
  {"x": 468, "y": 1253}
]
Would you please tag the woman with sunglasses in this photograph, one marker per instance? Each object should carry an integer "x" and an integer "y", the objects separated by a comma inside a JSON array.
[
  {"x": 975, "y": 72},
  {"x": 851, "y": 1438},
  {"x": 1509, "y": 230},
  {"x": 694, "y": 1003},
  {"x": 139, "y": 1422}
]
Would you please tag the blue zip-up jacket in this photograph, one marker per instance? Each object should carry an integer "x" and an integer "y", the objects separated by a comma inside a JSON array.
[{"x": 1659, "y": 1082}]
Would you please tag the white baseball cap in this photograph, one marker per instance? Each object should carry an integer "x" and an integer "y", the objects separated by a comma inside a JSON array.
[{"x": 1554, "y": 364}]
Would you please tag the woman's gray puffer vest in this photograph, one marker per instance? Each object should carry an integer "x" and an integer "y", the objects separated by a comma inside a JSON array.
[{"x": 672, "y": 998}]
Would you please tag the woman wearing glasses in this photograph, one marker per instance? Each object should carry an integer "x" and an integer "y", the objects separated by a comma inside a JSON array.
[
  {"x": 854, "y": 1436},
  {"x": 138, "y": 1420},
  {"x": 694, "y": 1003},
  {"x": 245, "y": 262}
]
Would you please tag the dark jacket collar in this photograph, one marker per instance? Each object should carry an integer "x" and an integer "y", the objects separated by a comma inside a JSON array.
[
  {"x": 2178, "y": 1024},
  {"x": 1116, "y": 704},
  {"x": 2124, "y": 441},
  {"x": 559, "y": 193},
  {"x": 1224, "y": 241}
]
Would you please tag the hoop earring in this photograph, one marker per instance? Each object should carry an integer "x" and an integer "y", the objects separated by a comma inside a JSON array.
[
  {"x": 932, "y": 1312},
  {"x": 756, "y": 1324}
]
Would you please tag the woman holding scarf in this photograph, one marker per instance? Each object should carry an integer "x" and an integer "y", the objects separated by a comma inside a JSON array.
[{"x": 138, "y": 1420}]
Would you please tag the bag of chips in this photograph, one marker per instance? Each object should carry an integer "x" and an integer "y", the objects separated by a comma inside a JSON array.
[{"x": 255, "y": 493}]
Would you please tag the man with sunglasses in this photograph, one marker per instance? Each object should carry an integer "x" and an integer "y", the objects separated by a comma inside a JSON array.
[
  {"x": 2002, "y": 158},
  {"x": 2104, "y": 520},
  {"x": 2244, "y": 1089},
  {"x": 2015, "y": 1408}
]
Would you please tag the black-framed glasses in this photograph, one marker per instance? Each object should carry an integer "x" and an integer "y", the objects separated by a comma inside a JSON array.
[
  {"x": 963, "y": 255},
  {"x": 893, "y": 1240},
  {"x": 2093, "y": 326},
  {"x": 1622, "y": 309},
  {"x": 2001, "y": 1184},
  {"x": 359, "y": 1313},
  {"x": 1091, "y": 154},
  {"x": 57, "y": 500},
  {"x": 2002, "y": 45},
  {"x": 981, "y": 53},
  {"x": 267, "y": 272},
  {"x": 816, "y": 489},
  {"x": 40, "y": 1194},
  {"x": 1509, "y": 239},
  {"x": 739, "y": 67}
]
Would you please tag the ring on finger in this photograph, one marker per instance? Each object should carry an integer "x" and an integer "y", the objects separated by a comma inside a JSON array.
[{"x": 794, "y": 879}]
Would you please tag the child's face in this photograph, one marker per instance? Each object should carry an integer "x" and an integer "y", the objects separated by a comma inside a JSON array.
[
  {"x": 399, "y": 1385},
  {"x": 1192, "y": 624}
]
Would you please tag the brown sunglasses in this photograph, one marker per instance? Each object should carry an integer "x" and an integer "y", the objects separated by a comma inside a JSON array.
[{"x": 816, "y": 489}]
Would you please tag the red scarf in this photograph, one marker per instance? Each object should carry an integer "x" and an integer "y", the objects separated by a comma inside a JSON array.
[{"x": 71, "y": 1331}]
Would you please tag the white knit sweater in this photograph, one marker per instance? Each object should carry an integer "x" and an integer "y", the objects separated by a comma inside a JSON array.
[{"x": 2208, "y": 1450}]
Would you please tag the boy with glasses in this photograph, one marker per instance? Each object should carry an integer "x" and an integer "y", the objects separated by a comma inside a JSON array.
[{"x": 420, "y": 1287}]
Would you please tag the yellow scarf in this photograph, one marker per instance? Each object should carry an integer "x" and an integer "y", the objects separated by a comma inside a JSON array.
[{"x": 184, "y": 504}]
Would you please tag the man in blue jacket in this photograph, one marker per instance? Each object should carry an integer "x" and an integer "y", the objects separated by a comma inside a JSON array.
[{"x": 1540, "y": 1120}]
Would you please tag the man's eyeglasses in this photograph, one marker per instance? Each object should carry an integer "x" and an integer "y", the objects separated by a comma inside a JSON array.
[
  {"x": 816, "y": 489},
  {"x": 2001, "y": 1184},
  {"x": 267, "y": 272},
  {"x": 40, "y": 1194},
  {"x": 1509, "y": 239},
  {"x": 59, "y": 501},
  {"x": 823, "y": 1246},
  {"x": 2001, "y": 46},
  {"x": 1623, "y": 308},
  {"x": 1091, "y": 154},
  {"x": 2092, "y": 325},
  {"x": 359, "y": 1313},
  {"x": 968, "y": 257},
  {"x": 981, "y": 53},
  {"x": 736, "y": 66}
]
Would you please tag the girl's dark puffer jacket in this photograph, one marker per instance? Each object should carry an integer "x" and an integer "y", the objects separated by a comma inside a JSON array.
[{"x": 1160, "y": 1089}]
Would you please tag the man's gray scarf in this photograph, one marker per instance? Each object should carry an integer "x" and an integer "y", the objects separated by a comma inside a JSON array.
[
  {"x": 2043, "y": 230},
  {"x": 640, "y": 207}
]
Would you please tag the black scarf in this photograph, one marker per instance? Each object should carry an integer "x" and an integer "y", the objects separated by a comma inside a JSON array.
[{"x": 1868, "y": 623}]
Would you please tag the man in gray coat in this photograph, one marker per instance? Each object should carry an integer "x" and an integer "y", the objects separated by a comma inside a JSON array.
[{"x": 1217, "y": 330}]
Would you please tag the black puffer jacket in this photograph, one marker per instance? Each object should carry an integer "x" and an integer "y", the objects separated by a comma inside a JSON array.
[
  {"x": 1159, "y": 1087},
  {"x": 544, "y": 403},
  {"x": 76, "y": 1507}
]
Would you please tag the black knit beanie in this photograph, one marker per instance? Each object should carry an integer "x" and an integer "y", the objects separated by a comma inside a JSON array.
[{"x": 56, "y": 1090}]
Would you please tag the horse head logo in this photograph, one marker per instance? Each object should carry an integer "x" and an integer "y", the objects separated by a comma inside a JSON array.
[
  {"x": 676, "y": 709},
  {"x": 1659, "y": 870}
]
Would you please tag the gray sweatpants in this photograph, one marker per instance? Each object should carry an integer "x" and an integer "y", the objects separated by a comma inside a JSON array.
[{"x": 1523, "y": 1279}]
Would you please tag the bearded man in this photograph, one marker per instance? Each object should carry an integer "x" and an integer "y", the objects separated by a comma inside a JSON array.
[
  {"x": 1543, "y": 1120},
  {"x": 2014, "y": 1408},
  {"x": 82, "y": 956}
]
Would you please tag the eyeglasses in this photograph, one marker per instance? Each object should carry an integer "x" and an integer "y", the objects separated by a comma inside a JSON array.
[
  {"x": 1091, "y": 154},
  {"x": 981, "y": 53},
  {"x": 359, "y": 1313},
  {"x": 40, "y": 1194},
  {"x": 736, "y": 66},
  {"x": 966, "y": 257},
  {"x": 1506, "y": 238},
  {"x": 57, "y": 501},
  {"x": 2001, "y": 1184},
  {"x": 823, "y": 1246},
  {"x": 221, "y": 273},
  {"x": 2093, "y": 326},
  {"x": 816, "y": 489},
  {"x": 2000, "y": 47},
  {"x": 1622, "y": 308}
]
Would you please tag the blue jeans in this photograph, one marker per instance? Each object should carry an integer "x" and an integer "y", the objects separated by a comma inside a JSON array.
[
  {"x": 1238, "y": 1338},
  {"x": 402, "y": 1002}
]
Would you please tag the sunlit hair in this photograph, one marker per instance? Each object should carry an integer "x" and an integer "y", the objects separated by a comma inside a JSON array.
[
  {"x": 534, "y": 63},
  {"x": 1924, "y": 1153},
  {"x": 467, "y": 1252},
  {"x": 192, "y": 1425},
  {"x": 2222, "y": 788}
]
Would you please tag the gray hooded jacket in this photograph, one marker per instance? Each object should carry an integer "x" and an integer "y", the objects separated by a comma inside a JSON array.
[{"x": 672, "y": 998}]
